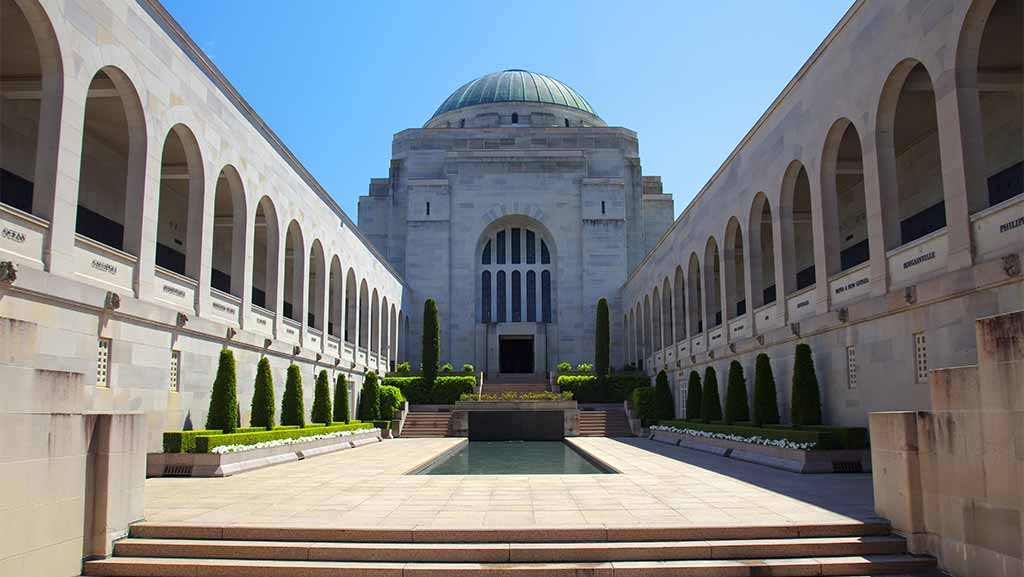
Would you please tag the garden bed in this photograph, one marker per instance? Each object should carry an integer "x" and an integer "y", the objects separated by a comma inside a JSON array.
[
  {"x": 222, "y": 455},
  {"x": 806, "y": 450}
]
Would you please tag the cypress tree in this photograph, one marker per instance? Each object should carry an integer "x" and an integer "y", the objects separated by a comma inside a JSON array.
[
  {"x": 737, "y": 407},
  {"x": 805, "y": 408},
  {"x": 766, "y": 400},
  {"x": 321, "y": 400},
  {"x": 710, "y": 404},
  {"x": 369, "y": 399},
  {"x": 223, "y": 413},
  {"x": 693, "y": 397},
  {"x": 263, "y": 396},
  {"x": 663, "y": 403},
  {"x": 293, "y": 411},
  {"x": 431, "y": 341},
  {"x": 602, "y": 339},
  {"x": 341, "y": 399}
]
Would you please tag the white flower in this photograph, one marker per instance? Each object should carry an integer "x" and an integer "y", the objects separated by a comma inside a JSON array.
[
  {"x": 754, "y": 440},
  {"x": 222, "y": 449}
]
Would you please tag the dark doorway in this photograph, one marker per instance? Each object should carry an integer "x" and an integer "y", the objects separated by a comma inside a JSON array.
[{"x": 515, "y": 354}]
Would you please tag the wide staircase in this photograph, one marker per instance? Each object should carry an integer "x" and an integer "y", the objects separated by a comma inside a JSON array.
[
  {"x": 422, "y": 424},
  {"x": 604, "y": 422},
  {"x": 498, "y": 384},
  {"x": 842, "y": 549}
]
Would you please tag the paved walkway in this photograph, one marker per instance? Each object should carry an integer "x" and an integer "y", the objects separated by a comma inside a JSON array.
[{"x": 661, "y": 485}]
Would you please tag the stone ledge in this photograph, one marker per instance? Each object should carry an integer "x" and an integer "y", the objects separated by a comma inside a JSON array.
[
  {"x": 792, "y": 460},
  {"x": 227, "y": 464}
]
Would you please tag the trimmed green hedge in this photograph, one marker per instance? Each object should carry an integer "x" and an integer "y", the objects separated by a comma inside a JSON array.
[
  {"x": 825, "y": 438},
  {"x": 185, "y": 441},
  {"x": 446, "y": 390},
  {"x": 205, "y": 443},
  {"x": 391, "y": 400},
  {"x": 615, "y": 389}
]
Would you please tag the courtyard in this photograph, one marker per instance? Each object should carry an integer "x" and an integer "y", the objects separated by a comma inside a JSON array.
[{"x": 659, "y": 486}]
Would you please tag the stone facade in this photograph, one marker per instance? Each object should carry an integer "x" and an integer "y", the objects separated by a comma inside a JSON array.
[
  {"x": 552, "y": 170},
  {"x": 874, "y": 211}
]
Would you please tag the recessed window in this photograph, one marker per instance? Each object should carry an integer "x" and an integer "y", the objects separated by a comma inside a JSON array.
[
  {"x": 602, "y": 207},
  {"x": 515, "y": 118},
  {"x": 175, "y": 370},
  {"x": 103, "y": 363},
  {"x": 428, "y": 209},
  {"x": 567, "y": 123},
  {"x": 462, "y": 123}
]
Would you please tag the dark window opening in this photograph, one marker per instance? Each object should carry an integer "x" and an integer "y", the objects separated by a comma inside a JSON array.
[
  {"x": 259, "y": 297},
  {"x": 805, "y": 278},
  {"x": 545, "y": 296},
  {"x": 741, "y": 308},
  {"x": 925, "y": 222},
  {"x": 15, "y": 191},
  {"x": 222, "y": 282},
  {"x": 602, "y": 207},
  {"x": 462, "y": 123},
  {"x": 500, "y": 248},
  {"x": 287, "y": 309},
  {"x": 311, "y": 320},
  {"x": 567, "y": 123},
  {"x": 718, "y": 318},
  {"x": 515, "y": 118},
  {"x": 769, "y": 294},
  {"x": 171, "y": 259},
  {"x": 531, "y": 247},
  {"x": 485, "y": 297},
  {"x": 545, "y": 256},
  {"x": 854, "y": 255},
  {"x": 517, "y": 256},
  {"x": 500, "y": 290},
  {"x": 428, "y": 209},
  {"x": 517, "y": 297},
  {"x": 99, "y": 228},
  {"x": 1003, "y": 185},
  {"x": 486, "y": 259},
  {"x": 531, "y": 297},
  {"x": 700, "y": 326}
]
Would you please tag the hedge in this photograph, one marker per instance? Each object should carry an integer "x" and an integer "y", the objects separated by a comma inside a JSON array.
[
  {"x": 263, "y": 396},
  {"x": 391, "y": 400},
  {"x": 710, "y": 405},
  {"x": 341, "y": 413},
  {"x": 322, "y": 399},
  {"x": 431, "y": 352},
  {"x": 446, "y": 390},
  {"x": 694, "y": 396},
  {"x": 805, "y": 407},
  {"x": 736, "y": 407},
  {"x": 369, "y": 398},
  {"x": 205, "y": 443},
  {"x": 825, "y": 438},
  {"x": 664, "y": 405},
  {"x": 766, "y": 402},
  {"x": 644, "y": 405},
  {"x": 185, "y": 441},
  {"x": 293, "y": 411},
  {"x": 602, "y": 338},
  {"x": 590, "y": 389},
  {"x": 223, "y": 413}
]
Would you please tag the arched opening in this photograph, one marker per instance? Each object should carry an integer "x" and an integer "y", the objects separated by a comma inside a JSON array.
[
  {"x": 657, "y": 342},
  {"x": 910, "y": 168},
  {"x": 294, "y": 272},
  {"x": 515, "y": 118},
  {"x": 680, "y": 304},
  {"x": 638, "y": 335},
  {"x": 351, "y": 313},
  {"x": 265, "y": 253},
  {"x": 631, "y": 338},
  {"x": 385, "y": 328},
  {"x": 842, "y": 191},
  {"x": 797, "y": 229},
  {"x": 666, "y": 313},
  {"x": 712, "y": 283},
  {"x": 227, "y": 259},
  {"x": 648, "y": 342},
  {"x": 181, "y": 198},
  {"x": 315, "y": 292},
  {"x": 374, "y": 323},
  {"x": 696, "y": 297},
  {"x": 113, "y": 162},
  {"x": 393, "y": 348},
  {"x": 762, "y": 252},
  {"x": 364, "y": 316},
  {"x": 735, "y": 277},
  {"x": 998, "y": 77},
  {"x": 512, "y": 253},
  {"x": 337, "y": 297},
  {"x": 31, "y": 87}
]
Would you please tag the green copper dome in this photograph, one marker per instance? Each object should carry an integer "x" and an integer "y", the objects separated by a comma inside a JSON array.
[{"x": 514, "y": 86}]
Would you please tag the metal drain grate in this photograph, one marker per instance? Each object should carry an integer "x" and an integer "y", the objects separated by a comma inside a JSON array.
[
  {"x": 177, "y": 470},
  {"x": 847, "y": 467}
]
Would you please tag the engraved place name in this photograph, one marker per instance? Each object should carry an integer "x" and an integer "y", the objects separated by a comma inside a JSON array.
[
  {"x": 851, "y": 285},
  {"x": 918, "y": 260},
  {"x": 331, "y": 345},
  {"x": 104, "y": 266},
  {"x": 716, "y": 337},
  {"x": 289, "y": 330},
  {"x": 14, "y": 235},
  {"x": 261, "y": 321},
  {"x": 223, "y": 308},
  {"x": 738, "y": 328},
  {"x": 803, "y": 303},
  {"x": 175, "y": 291},
  {"x": 1005, "y": 227}
]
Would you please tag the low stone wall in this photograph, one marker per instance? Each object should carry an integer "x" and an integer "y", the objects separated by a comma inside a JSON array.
[
  {"x": 460, "y": 421},
  {"x": 839, "y": 461},
  {"x": 951, "y": 480},
  {"x": 227, "y": 464}
]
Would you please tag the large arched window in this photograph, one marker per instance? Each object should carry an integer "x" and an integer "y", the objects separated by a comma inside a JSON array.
[
  {"x": 374, "y": 323},
  {"x": 364, "y": 315},
  {"x": 512, "y": 253},
  {"x": 656, "y": 341},
  {"x": 227, "y": 262}
]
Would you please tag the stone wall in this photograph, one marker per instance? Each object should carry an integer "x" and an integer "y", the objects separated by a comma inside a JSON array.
[{"x": 951, "y": 479}]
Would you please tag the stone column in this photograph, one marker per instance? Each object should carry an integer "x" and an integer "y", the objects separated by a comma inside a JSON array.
[
  {"x": 243, "y": 260},
  {"x": 875, "y": 219},
  {"x": 723, "y": 292},
  {"x": 781, "y": 266},
  {"x": 821, "y": 261},
  {"x": 954, "y": 160},
  {"x": 67, "y": 161},
  {"x": 142, "y": 203},
  {"x": 278, "y": 277},
  {"x": 204, "y": 222}
]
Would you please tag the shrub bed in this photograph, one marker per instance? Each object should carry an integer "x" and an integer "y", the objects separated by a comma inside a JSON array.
[
  {"x": 513, "y": 396},
  {"x": 645, "y": 405},
  {"x": 824, "y": 438},
  {"x": 205, "y": 443},
  {"x": 588, "y": 388},
  {"x": 445, "y": 390}
]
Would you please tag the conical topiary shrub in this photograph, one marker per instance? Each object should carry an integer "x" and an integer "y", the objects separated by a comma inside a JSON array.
[
  {"x": 341, "y": 414},
  {"x": 710, "y": 404},
  {"x": 263, "y": 396},
  {"x": 737, "y": 408},
  {"x": 766, "y": 399},
  {"x": 369, "y": 400},
  {"x": 602, "y": 340},
  {"x": 805, "y": 408},
  {"x": 321, "y": 400},
  {"x": 431, "y": 342},
  {"x": 693, "y": 397},
  {"x": 223, "y": 413},
  {"x": 293, "y": 410},
  {"x": 663, "y": 403}
]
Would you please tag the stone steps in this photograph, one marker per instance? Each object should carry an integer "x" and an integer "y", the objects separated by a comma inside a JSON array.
[
  {"x": 608, "y": 423},
  {"x": 841, "y": 549},
  {"x": 421, "y": 425}
]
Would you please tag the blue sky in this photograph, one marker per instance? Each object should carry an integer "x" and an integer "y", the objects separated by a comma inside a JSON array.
[{"x": 337, "y": 78}]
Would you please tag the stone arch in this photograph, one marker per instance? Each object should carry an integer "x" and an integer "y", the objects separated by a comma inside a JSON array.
[
  {"x": 712, "y": 283},
  {"x": 374, "y": 322},
  {"x": 762, "y": 252},
  {"x": 648, "y": 342},
  {"x": 909, "y": 163},
  {"x": 351, "y": 307},
  {"x": 393, "y": 345},
  {"x": 315, "y": 291},
  {"x": 294, "y": 272},
  {"x": 227, "y": 246},
  {"x": 657, "y": 341},
  {"x": 364, "y": 315},
  {"x": 666, "y": 313},
  {"x": 735, "y": 270},
  {"x": 180, "y": 203},
  {"x": 680, "y": 304},
  {"x": 336, "y": 298},
  {"x": 696, "y": 303},
  {"x": 844, "y": 205},
  {"x": 797, "y": 229},
  {"x": 266, "y": 254}
]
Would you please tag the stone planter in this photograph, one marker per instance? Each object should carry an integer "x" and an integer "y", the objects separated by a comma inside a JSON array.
[
  {"x": 797, "y": 461},
  {"x": 537, "y": 420},
  {"x": 227, "y": 464}
]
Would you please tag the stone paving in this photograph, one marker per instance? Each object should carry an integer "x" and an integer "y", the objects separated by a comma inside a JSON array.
[{"x": 660, "y": 486}]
